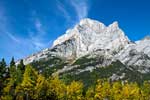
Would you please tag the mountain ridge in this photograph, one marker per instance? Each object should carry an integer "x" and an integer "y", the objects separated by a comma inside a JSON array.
[{"x": 94, "y": 40}]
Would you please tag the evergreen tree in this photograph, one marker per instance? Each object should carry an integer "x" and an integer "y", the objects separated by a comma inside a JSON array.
[
  {"x": 21, "y": 66},
  {"x": 12, "y": 63},
  {"x": 2, "y": 74},
  {"x": 15, "y": 79},
  {"x": 2, "y": 68},
  {"x": 3, "y": 62},
  {"x": 12, "y": 68}
]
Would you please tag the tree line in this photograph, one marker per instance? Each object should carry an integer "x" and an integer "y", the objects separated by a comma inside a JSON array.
[{"x": 23, "y": 82}]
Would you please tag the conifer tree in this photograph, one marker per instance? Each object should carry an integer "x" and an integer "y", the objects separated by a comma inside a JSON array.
[
  {"x": 21, "y": 66},
  {"x": 74, "y": 91},
  {"x": 2, "y": 73},
  {"x": 2, "y": 68},
  {"x": 12, "y": 63},
  {"x": 28, "y": 83},
  {"x": 56, "y": 89}
]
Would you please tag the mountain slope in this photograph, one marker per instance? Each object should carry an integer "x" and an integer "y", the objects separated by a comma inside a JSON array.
[
  {"x": 136, "y": 54},
  {"x": 91, "y": 45}
]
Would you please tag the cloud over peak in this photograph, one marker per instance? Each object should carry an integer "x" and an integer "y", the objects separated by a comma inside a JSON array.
[{"x": 81, "y": 8}]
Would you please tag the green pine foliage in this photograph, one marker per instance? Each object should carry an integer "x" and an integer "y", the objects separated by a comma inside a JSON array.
[
  {"x": 3, "y": 74},
  {"x": 12, "y": 63}
]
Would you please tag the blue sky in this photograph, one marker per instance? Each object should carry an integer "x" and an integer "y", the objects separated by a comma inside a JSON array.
[{"x": 28, "y": 26}]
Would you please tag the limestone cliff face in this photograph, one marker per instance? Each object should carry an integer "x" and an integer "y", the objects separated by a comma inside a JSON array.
[
  {"x": 136, "y": 54},
  {"x": 90, "y": 35},
  {"x": 93, "y": 38}
]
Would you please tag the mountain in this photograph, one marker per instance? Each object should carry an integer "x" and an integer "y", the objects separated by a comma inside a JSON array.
[
  {"x": 89, "y": 36},
  {"x": 92, "y": 47}
]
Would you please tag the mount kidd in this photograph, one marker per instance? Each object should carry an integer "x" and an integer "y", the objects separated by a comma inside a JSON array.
[{"x": 91, "y": 46}]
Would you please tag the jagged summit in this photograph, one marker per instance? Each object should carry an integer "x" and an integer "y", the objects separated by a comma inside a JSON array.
[
  {"x": 95, "y": 40},
  {"x": 88, "y": 21},
  {"x": 85, "y": 24},
  {"x": 114, "y": 25},
  {"x": 90, "y": 35}
]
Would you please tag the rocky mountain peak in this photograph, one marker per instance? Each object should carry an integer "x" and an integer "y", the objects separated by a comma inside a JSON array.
[
  {"x": 93, "y": 39},
  {"x": 92, "y": 28},
  {"x": 80, "y": 29},
  {"x": 114, "y": 25},
  {"x": 89, "y": 22},
  {"x": 90, "y": 35}
]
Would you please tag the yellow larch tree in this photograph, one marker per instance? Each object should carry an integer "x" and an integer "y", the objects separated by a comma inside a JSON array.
[{"x": 74, "y": 91}]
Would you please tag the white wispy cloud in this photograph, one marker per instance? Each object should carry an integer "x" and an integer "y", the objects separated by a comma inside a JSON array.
[
  {"x": 21, "y": 46},
  {"x": 9, "y": 41},
  {"x": 12, "y": 37},
  {"x": 81, "y": 7},
  {"x": 62, "y": 9},
  {"x": 37, "y": 37},
  {"x": 3, "y": 20},
  {"x": 4, "y": 26},
  {"x": 39, "y": 27}
]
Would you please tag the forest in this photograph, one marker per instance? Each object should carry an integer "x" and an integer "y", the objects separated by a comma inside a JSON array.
[{"x": 24, "y": 82}]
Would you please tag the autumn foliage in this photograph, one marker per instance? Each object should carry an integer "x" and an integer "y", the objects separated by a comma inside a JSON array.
[{"x": 28, "y": 84}]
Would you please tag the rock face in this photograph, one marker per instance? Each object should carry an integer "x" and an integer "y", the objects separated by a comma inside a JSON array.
[
  {"x": 136, "y": 54},
  {"x": 106, "y": 43},
  {"x": 88, "y": 36}
]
